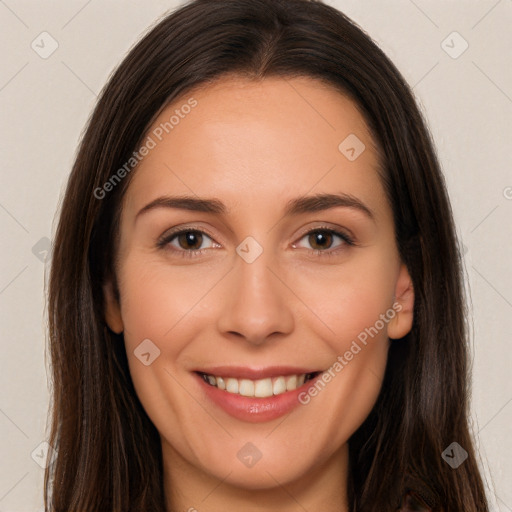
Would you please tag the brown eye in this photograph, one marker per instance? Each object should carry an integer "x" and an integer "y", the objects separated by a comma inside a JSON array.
[
  {"x": 190, "y": 239},
  {"x": 324, "y": 241},
  {"x": 187, "y": 242},
  {"x": 320, "y": 239}
]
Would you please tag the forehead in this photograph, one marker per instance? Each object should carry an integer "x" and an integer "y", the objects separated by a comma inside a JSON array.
[{"x": 251, "y": 141}]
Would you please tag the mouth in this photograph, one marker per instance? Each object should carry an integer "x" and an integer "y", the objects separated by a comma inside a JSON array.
[
  {"x": 255, "y": 395},
  {"x": 258, "y": 388}
]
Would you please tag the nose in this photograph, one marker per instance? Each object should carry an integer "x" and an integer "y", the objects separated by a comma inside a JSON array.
[{"x": 257, "y": 302}]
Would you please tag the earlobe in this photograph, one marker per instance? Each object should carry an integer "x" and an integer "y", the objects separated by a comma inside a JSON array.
[
  {"x": 113, "y": 316},
  {"x": 401, "y": 323}
]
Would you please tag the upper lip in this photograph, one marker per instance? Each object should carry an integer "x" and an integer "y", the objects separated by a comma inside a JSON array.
[{"x": 247, "y": 372}]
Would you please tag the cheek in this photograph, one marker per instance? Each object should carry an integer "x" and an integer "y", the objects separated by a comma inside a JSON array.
[
  {"x": 352, "y": 307},
  {"x": 344, "y": 397},
  {"x": 343, "y": 403},
  {"x": 156, "y": 299},
  {"x": 168, "y": 307},
  {"x": 159, "y": 305},
  {"x": 154, "y": 307},
  {"x": 347, "y": 299}
]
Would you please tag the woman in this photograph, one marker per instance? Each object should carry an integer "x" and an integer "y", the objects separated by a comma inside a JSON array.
[{"x": 256, "y": 297}]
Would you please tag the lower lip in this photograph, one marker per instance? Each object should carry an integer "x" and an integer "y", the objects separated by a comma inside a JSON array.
[{"x": 255, "y": 410}]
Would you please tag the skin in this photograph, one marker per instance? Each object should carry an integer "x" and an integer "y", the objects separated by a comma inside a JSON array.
[{"x": 255, "y": 145}]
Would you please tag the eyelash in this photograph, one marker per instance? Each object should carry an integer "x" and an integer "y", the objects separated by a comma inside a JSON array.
[{"x": 163, "y": 242}]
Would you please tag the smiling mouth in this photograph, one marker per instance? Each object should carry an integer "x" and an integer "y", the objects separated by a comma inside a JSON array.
[{"x": 262, "y": 388}]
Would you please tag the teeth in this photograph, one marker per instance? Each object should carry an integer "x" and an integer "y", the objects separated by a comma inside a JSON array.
[
  {"x": 262, "y": 388},
  {"x": 291, "y": 383},
  {"x": 279, "y": 386},
  {"x": 246, "y": 387},
  {"x": 220, "y": 383},
  {"x": 232, "y": 386}
]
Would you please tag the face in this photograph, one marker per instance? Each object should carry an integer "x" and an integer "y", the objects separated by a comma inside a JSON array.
[{"x": 254, "y": 286}]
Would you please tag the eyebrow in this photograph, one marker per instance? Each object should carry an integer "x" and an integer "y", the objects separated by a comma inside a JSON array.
[{"x": 296, "y": 206}]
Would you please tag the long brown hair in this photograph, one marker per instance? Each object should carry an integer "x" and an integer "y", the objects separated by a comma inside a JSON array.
[{"x": 109, "y": 453}]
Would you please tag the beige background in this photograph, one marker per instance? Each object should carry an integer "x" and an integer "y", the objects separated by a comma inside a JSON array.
[{"x": 46, "y": 102}]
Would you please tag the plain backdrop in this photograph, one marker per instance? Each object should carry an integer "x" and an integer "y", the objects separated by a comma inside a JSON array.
[{"x": 463, "y": 83}]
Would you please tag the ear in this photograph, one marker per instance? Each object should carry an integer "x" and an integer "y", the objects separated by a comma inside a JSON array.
[
  {"x": 112, "y": 308},
  {"x": 401, "y": 323}
]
